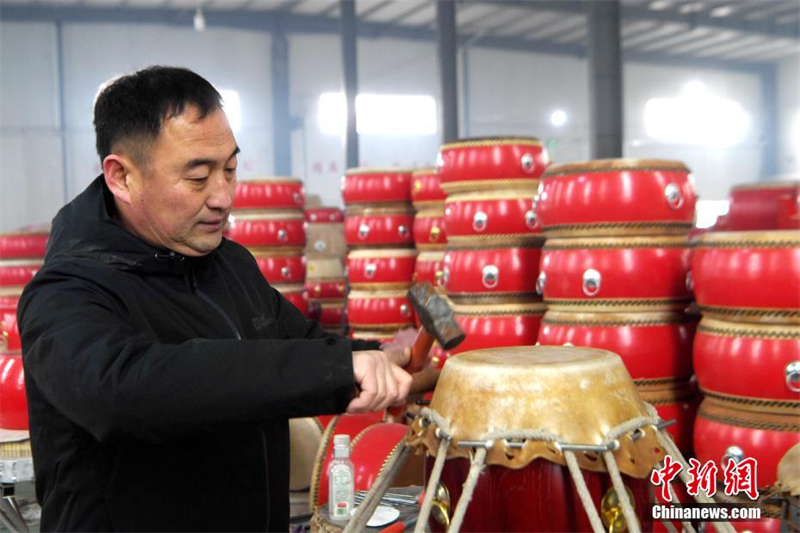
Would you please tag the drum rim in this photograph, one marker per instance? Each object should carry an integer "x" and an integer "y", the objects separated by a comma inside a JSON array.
[
  {"x": 480, "y": 142},
  {"x": 788, "y": 238},
  {"x": 789, "y": 185},
  {"x": 381, "y": 253},
  {"x": 272, "y": 251},
  {"x": 725, "y": 328},
  {"x": 615, "y": 165},
  {"x": 385, "y": 171},
  {"x": 267, "y": 214},
  {"x": 617, "y": 242},
  {"x": 629, "y": 319},
  {"x": 272, "y": 180}
]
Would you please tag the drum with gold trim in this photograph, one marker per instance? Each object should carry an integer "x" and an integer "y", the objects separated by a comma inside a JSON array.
[
  {"x": 722, "y": 433},
  {"x": 653, "y": 345},
  {"x": 749, "y": 366},
  {"x": 305, "y": 435},
  {"x": 368, "y": 227},
  {"x": 756, "y": 206},
  {"x": 498, "y": 325},
  {"x": 616, "y": 197},
  {"x": 491, "y": 274},
  {"x": 496, "y": 212},
  {"x": 370, "y": 186},
  {"x": 327, "y": 288},
  {"x": 429, "y": 268},
  {"x": 490, "y": 163},
  {"x": 426, "y": 189},
  {"x": 296, "y": 294},
  {"x": 267, "y": 228},
  {"x": 329, "y": 313},
  {"x": 788, "y": 484},
  {"x": 616, "y": 274},
  {"x": 678, "y": 401},
  {"x": 377, "y": 310},
  {"x": 269, "y": 193},
  {"x": 23, "y": 244},
  {"x": 18, "y": 272},
  {"x": 748, "y": 276},
  {"x": 429, "y": 229},
  {"x": 281, "y": 265},
  {"x": 325, "y": 278},
  {"x": 323, "y": 215},
  {"x": 381, "y": 268},
  {"x": 540, "y": 408},
  {"x": 14, "y": 413},
  {"x": 370, "y": 449},
  {"x": 9, "y": 331}
]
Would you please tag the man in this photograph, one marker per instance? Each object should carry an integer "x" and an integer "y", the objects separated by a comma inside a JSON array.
[{"x": 160, "y": 366}]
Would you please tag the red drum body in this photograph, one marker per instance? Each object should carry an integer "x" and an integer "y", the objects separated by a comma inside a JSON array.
[
  {"x": 376, "y": 186},
  {"x": 491, "y": 273},
  {"x": 14, "y": 414},
  {"x": 379, "y": 226},
  {"x": 677, "y": 401},
  {"x": 381, "y": 268},
  {"x": 18, "y": 272},
  {"x": 268, "y": 228},
  {"x": 748, "y": 276},
  {"x": 281, "y": 267},
  {"x": 721, "y": 433},
  {"x": 9, "y": 331},
  {"x": 637, "y": 273},
  {"x": 370, "y": 449},
  {"x": 321, "y": 215},
  {"x": 377, "y": 310},
  {"x": 500, "y": 325},
  {"x": 429, "y": 232},
  {"x": 499, "y": 213},
  {"x": 429, "y": 268},
  {"x": 274, "y": 193},
  {"x": 9, "y": 300},
  {"x": 329, "y": 313},
  {"x": 616, "y": 197},
  {"x": 21, "y": 245},
  {"x": 653, "y": 346},
  {"x": 490, "y": 163},
  {"x": 295, "y": 294},
  {"x": 327, "y": 289},
  {"x": 749, "y": 366},
  {"x": 758, "y": 206},
  {"x": 426, "y": 188}
]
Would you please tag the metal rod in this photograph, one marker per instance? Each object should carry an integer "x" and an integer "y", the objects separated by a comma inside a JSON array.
[
  {"x": 446, "y": 39},
  {"x": 349, "y": 34},
  {"x": 598, "y": 448},
  {"x": 605, "y": 78}
]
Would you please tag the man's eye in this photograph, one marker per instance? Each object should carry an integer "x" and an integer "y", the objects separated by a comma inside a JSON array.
[
  {"x": 199, "y": 180},
  {"x": 232, "y": 169}
]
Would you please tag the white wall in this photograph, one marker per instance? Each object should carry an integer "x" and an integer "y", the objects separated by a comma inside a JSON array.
[{"x": 789, "y": 116}]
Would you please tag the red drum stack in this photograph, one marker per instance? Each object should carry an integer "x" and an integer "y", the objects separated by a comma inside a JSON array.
[
  {"x": 494, "y": 241},
  {"x": 747, "y": 348},
  {"x": 429, "y": 232},
  {"x": 762, "y": 206},
  {"x": 268, "y": 219},
  {"x": 326, "y": 283},
  {"x": 615, "y": 273},
  {"x": 379, "y": 231}
]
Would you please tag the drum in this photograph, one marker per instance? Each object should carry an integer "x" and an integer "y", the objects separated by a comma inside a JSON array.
[
  {"x": 296, "y": 295},
  {"x": 23, "y": 244},
  {"x": 428, "y": 267},
  {"x": 14, "y": 414},
  {"x": 9, "y": 299},
  {"x": 370, "y": 186},
  {"x": 18, "y": 272},
  {"x": 491, "y": 163},
  {"x": 269, "y": 193},
  {"x": 387, "y": 226},
  {"x": 426, "y": 189},
  {"x": 267, "y": 228},
  {"x": 370, "y": 449},
  {"x": 325, "y": 278},
  {"x": 616, "y": 274},
  {"x": 788, "y": 485},
  {"x": 429, "y": 232},
  {"x": 756, "y": 206},
  {"x": 494, "y": 213},
  {"x": 748, "y": 276},
  {"x": 321, "y": 215},
  {"x": 611, "y": 197},
  {"x": 532, "y": 398},
  {"x": 325, "y": 239},
  {"x": 305, "y": 434},
  {"x": 653, "y": 346},
  {"x": 498, "y": 325},
  {"x": 382, "y": 268},
  {"x": 329, "y": 313},
  {"x": 722, "y": 433},
  {"x": 281, "y": 265},
  {"x": 379, "y": 310},
  {"x": 678, "y": 401},
  {"x": 490, "y": 274},
  {"x": 749, "y": 366},
  {"x": 9, "y": 331}
]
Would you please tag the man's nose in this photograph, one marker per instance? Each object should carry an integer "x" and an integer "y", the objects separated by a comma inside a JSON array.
[{"x": 221, "y": 194}]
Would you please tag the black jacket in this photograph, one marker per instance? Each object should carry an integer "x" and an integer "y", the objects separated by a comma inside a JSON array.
[{"x": 147, "y": 411}]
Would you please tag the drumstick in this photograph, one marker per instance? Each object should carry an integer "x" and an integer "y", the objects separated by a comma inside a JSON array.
[{"x": 400, "y": 526}]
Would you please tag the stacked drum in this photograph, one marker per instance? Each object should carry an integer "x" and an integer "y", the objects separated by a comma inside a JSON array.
[
  {"x": 378, "y": 229},
  {"x": 747, "y": 350},
  {"x": 326, "y": 283},
  {"x": 762, "y": 206},
  {"x": 493, "y": 239},
  {"x": 615, "y": 273},
  {"x": 268, "y": 219}
]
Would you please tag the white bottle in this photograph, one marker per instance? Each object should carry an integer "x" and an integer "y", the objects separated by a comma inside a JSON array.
[{"x": 340, "y": 481}]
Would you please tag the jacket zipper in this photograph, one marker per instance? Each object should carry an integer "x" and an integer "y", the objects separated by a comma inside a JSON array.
[{"x": 203, "y": 296}]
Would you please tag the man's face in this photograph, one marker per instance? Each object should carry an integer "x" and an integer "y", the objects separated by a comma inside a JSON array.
[{"x": 182, "y": 195}]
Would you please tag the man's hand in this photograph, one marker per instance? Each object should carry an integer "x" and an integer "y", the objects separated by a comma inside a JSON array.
[
  {"x": 382, "y": 383},
  {"x": 399, "y": 349}
]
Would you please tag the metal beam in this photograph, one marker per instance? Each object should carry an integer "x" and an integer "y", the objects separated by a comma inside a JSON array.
[
  {"x": 281, "y": 121},
  {"x": 446, "y": 40},
  {"x": 605, "y": 79},
  {"x": 349, "y": 34},
  {"x": 769, "y": 121},
  {"x": 62, "y": 111}
]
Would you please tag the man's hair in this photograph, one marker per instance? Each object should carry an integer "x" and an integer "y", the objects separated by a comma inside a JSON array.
[{"x": 131, "y": 109}]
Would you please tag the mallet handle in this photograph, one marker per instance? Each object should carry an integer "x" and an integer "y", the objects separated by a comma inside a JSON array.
[{"x": 420, "y": 351}]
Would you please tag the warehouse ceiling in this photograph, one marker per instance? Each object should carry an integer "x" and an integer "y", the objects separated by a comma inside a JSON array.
[{"x": 717, "y": 32}]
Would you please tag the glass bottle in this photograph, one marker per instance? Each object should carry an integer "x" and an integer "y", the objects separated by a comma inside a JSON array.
[{"x": 340, "y": 481}]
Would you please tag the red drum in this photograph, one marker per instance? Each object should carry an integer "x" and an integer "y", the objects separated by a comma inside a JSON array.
[
  {"x": 325, "y": 239},
  {"x": 429, "y": 268},
  {"x": 499, "y": 325},
  {"x": 379, "y": 226},
  {"x": 322, "y": 215},
  {"x": 295, "y": 294},
  {"x": 378, "y": 310},
  {"x": 490, "y": 163},
  {"x": 350, "y": 425},
  {"x": 722, "y": 433},
  {"x": 429, "y": 232},
  {"x": 281, "y": 265},
  {"x": 616, "y": 197},
  {"x": 484, "y": 274},
  {"x": 749, "y": 366},
  {"x": 376, "y": 186},
  {"x": 18, "y": 272},
  {"x": 9, "y": 331},
  {"x": 748, "y": 276},
  {"x": 271, "y": 193},
  {"x": 677, "y": 401},
  {"x": 495, "y": 213},
  {"x": 652, "y": 345},
  {"x": 426, "y": 189},
  {"x": 9, "y": 298},
  {"x": 267, "y": 228},
  {"x": 788, "y": 216},
  {"x": 616, "y": 274},
  {"x": 327, "y": 289},
  {"x": 329, "y": 313},
  {"x": 756, "y": 206},
  {"x": 383, "y": 268},
  {"x": 14, "y": 414},
  {"x": 23, "y": 244},
  {"x": 371, "y": 448}
]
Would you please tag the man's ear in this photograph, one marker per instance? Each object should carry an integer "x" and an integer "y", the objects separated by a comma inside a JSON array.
[{"x": 117, "y": 169}]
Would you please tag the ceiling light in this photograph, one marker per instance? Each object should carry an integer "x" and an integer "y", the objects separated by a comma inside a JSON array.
[
  {"x": 558, "y": 118},
  {"x": 660, "y": 5},
  {"x": 694, "y": 7},
  {"x": 722, "y": 11},
  {"x": 199, "y": 20}
]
